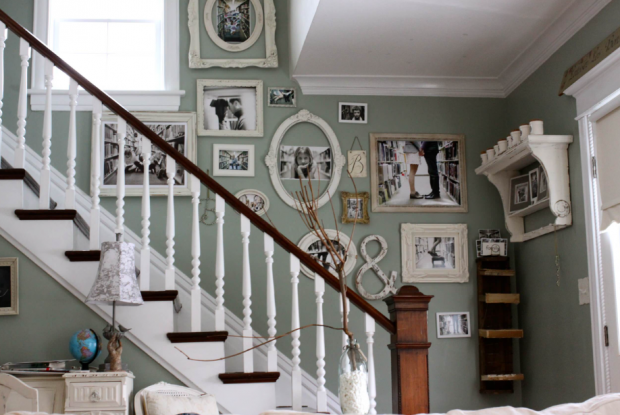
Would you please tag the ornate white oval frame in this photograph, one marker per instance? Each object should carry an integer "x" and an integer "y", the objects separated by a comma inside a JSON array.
[
  {"x": 311, "y": 238},
  {"x": 234, "y": 47},
  {"x": 272, "y": 157},
  {"x": 258, "y": 193}
]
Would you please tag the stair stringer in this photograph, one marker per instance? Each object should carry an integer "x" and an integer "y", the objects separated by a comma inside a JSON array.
[{"x": 234, "y": 324}]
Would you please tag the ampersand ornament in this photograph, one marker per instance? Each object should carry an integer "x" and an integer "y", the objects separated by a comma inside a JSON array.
[{"x": 372, "y": 263}]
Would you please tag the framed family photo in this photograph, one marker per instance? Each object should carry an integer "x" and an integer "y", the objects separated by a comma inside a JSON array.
[
  {"x": 355, "y": 207},
  {"x": 315, "y": 248},
  {"x": 9, "y": 287},
  {"x": 453, "y": 325},
  {"x": 434, "y": 253},
  {"x": 233, "y": 160},
  {"x": 255, "y": 200},
  {"x": 353, "y": 112},
  {"x": 282, "y": 97},
  {"x": 418, "y": 173},
  {"x": 230, "y": 108},
  {"x": 177, "y": 128}
]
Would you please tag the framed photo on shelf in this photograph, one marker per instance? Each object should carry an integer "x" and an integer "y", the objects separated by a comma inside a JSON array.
[
  {"x": 313, "y": 246},
  {"x": 282, "y": 97},
  {"x": 493, "y": 247},
  {"x": 255, "y": 200},
  {"x": 230, "y": 108},
  {"x": 355, "y": 206},
  {"x": 434, "y": 253},
  {"x": 418, "y": 172},
  {"x": 177, "y": 128},
  {"x": 543, "y": 185},
  {"x": 519, "y": 192},
  {"x": 453, "y": 325},
  {"x": 353, "y": 112},
  {"x": 233, "y": 160},
  {"x": 534, "y": 185},
  {"x": 9, "y": 287}
]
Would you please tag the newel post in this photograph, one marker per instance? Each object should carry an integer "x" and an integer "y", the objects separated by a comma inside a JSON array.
[{"x": 409, "y": 311}]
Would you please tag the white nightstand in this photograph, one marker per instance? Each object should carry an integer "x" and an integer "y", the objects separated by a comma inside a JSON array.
[{"x": 107, "y": 393}]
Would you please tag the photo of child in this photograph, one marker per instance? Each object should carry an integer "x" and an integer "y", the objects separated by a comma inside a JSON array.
[{"x": 299, "y": 162}]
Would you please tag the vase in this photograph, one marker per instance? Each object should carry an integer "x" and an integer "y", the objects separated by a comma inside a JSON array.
[{"x": 353, "y": 376}]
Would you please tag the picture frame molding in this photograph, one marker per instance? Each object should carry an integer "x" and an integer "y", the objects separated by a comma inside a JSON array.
[
  {"x": 269, "y": 89},
  {"x": 232, "y": 47},
  {"x": 459, "y": 336},
  {"x": 13, "y": 264},
  {"x": 409, "y": 231},
  {"x": 311, "y": 238},
  {"x": 233, "y": 173},
  {"x": 358, "y": 104},
  {"x": 259, "y": 193},
  {"x": 360, "y": 195},
  {"x": 229, "y": 83}
]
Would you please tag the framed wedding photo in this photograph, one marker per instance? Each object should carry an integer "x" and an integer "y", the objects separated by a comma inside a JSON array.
[
  {"x": 9, "y": 287},
  {"x": 355, "y": 207},
  {"x": 282, "y": 97},
  {"x": 230, "y": 108},
  {"x": 233, "y": 160},
  {"x": 353, "y": 112},
  {"x": 453, "y": 325},
  {"x": 418, "y": 172}
]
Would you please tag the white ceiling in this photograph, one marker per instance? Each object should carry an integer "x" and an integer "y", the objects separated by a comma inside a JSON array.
[{"x": 432, "y": 47}]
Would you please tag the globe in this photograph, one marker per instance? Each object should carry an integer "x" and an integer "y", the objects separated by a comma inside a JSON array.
[{"x": 85, "y": 347}]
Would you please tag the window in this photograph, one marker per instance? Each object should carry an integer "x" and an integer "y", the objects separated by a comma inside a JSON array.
[{"x": 128, "y": 48}]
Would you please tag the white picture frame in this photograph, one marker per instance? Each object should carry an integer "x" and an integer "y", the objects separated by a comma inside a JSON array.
[
  {"x": 455, "y": 268},
  {"x": 271, "y": 160},
  {"x": 345, "y": 108},
  {"x": 251, "y": 193},
  {"x": 293, "y": 100},
  {"x": 187, "y": 119},
  {"x": 450, "y": 325},
  {"x": 10, "y": 288},
  {"x": 196, "y": 61},
  {"x": 311, "y": 238},
  {"x": 219, "y": 171},
  {"x": 206, "y": 89},
  {"x": 234, "y": 47}
]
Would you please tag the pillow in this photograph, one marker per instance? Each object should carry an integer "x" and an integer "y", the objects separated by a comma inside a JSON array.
[{"x": 157, "y": 404}]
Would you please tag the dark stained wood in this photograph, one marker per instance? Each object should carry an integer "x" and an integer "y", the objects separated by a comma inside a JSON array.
[
  {"x": 501, "y": 334},
  {"x": 169, "y": 295},
  {"x": 198, "y": 336},
  {"x": 409, "y": 349},
  {"x": 83, "y": 256},
  {"x": 256, "y": 377},
  {"x": 45, "y": 214},
  {"x": 12, "y": 174},
  {"x": 497, "y": 273},
  {"x": 29, "y": 181},
  {"x": 190, "y": 167}
]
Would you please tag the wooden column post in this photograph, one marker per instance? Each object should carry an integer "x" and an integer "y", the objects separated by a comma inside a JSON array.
[{"x": 409, "y": 311}]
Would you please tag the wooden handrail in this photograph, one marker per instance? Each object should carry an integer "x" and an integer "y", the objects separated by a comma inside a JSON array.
[{"x": 190, "y": 167}]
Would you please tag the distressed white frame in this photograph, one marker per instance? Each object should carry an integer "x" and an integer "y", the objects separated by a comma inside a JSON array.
[
  {"x": 234, "y": 47},
  {"x": 12, "y": 263},
  {"x": 408, "y": 233},
  {"x": 229, "y": 83},
  {"x": 168, "y": 99},
  {"x": 456, "y": 336},
  {"x": 161, "y": 118},
  {"x": 271, "y": 51},
  {"x": 258, "y": 193},
  {"x": 271, "y": 160},
  {"x": 311, "y": 238},
  {"x": 238, "y": 147}
]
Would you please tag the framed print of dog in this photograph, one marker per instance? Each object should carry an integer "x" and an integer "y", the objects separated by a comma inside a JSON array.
[
  {"x": 434, "y": 253},
  {"x": 355, "y": 206},
  {"x": 418, "y": 173},
  {"x": 9, "y": 287}
]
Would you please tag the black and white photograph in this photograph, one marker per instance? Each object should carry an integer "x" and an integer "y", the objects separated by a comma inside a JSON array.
[
  {"x": 9, "y": 298},
  {"x": 311, "y": 244},
  {"x": 179, "y": 134},
  {"x": 453, "y": 325},
  {"x": 282, "y": 97},
  {"x": 233, "y": 20},
  {"x": 312, "y": 163},
  {"x": 411, "y": 174},
  {"x": 355, "y": 207},
  {"x": 519, "y": 192},
  {"x": 435, "y": 252},
  {"x": 534, "y": 185},
  {"x": 255, "y": 200},
  {"x": 318, "y": 251},
  {"x": 489, "y": 233},
  {"x": 230, "y": 108},
  {"x": 493, "y": 247},
  {"x": 543, "y": 187},
  {"x": 233, "y": 160},
  {"x": 352, "y": 112}
]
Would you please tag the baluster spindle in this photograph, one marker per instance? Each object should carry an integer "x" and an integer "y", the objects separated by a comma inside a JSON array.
[
  {"x": 345, "y": 338},
  {"x": 44, "y": 179},
  {"x": 22, "y": 106},
  {"x": 121, "y": 133},
  {"x": 220, "y": 207},
  {"x": 296, "y": 371},
  {"x": 3, "y": 35},
  {"x": 196, "y": 292},
  {"x": 145, "y": 253},
  {"x": 95, "y": 173},
  {"x": 170, "y": 231},
  {"x": 272, "y": 353},
  {"x": 372, "y": 386},
  {"x": 248, "y": 358},
  {"x": 321, "y": 393},
  {"x": 71, "y": 146}
]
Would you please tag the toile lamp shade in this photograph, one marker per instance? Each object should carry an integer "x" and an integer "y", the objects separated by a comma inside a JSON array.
[{"x": 116, "y": 278}]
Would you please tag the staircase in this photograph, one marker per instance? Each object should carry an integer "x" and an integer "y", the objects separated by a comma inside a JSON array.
[{"x": 61, "y": 228}]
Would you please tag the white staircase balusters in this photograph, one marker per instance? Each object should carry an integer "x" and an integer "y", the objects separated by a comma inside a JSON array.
[
  {"x": 296, "y": 390},
  {"x": 372, "y": 386},
  {"x": 3, "y": 35},
  {"x": 196, "y": 294},
  {"x": 95, "y": 174},
  {"x": 248, "y": 358},
  {"x": 22, "y": 107},
  {"x": 145, "y": 253},
  {"x": 345, "y": 338},
  {"x": 220, "y": 207},
  {"x": 44, "y": 179},
  {"x": 321, "y": 392},
  {"x": 121, "y": 133},
  {"x": 272, "y": 353},
  {"x": 170, "y": 227},
  {"x": 71, "y": 146}
]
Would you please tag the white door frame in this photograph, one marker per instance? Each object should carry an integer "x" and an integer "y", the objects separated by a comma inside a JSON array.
[{"x": 597, "y": 94}]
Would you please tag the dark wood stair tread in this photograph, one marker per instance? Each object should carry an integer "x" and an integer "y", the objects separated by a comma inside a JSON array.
[
  {"x": 83, "y": 256},
  {"x": 45, "y": 214},
  {"x": 168, "y": 295},
  {"x": 256, "y": 377},
  {"x": 12, "y": 174},
  {"x": 198, "y": 336}
]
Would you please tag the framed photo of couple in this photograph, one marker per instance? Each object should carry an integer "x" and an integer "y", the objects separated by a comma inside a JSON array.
[{"x": 418, "y": 172}]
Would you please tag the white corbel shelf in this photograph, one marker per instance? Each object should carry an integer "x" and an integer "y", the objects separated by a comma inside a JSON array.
[{"x": 551, "y": 151}]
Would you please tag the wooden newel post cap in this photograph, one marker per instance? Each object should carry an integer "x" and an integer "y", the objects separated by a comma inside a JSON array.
[{"x": 408, "y": 297}]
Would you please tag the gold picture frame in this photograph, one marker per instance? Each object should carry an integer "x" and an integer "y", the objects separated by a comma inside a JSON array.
[{"x": 346, "y": 213}]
